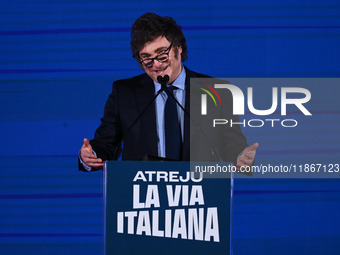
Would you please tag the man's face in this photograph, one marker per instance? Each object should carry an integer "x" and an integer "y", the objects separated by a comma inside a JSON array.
[{"x": 171, "y": 67}]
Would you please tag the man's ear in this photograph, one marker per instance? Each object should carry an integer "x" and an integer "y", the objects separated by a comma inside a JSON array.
[{"x": 179, "y": 49}]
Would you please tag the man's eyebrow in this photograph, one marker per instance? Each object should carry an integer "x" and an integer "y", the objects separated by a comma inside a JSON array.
[
  {"x": 143, "y": 54},
  {"x": 161, "y": 48}
]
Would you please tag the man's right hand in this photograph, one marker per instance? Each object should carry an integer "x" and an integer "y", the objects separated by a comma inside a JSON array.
[{"x": 88, "y": 157}]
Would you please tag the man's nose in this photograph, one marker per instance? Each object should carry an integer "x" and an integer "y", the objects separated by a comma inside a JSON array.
[{"x": 156, "y": 63}]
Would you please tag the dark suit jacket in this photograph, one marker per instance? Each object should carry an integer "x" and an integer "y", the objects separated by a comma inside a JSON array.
[{"x": 128, "y": 99}]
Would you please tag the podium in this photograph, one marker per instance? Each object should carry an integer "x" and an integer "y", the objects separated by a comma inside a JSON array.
[{"x": 163, "y": 208}]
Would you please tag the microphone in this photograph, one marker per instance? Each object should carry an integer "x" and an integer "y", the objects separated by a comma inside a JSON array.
[{"x": 163, "y": 81}]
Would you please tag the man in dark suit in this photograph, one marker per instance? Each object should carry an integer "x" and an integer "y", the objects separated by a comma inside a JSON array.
[{"x": 133, "y": 116}]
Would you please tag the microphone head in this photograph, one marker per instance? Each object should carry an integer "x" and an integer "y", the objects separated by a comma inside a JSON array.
[
  {"x": 163, "y": 80},
  {"x": 160, "y": 79},
  {"x": 166, "y": 79}
]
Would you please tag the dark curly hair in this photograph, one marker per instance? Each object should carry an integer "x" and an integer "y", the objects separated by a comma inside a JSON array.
[{"x": 149, "y": 26}]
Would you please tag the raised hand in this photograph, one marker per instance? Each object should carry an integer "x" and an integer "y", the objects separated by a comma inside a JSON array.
[
  {"x": 247, "y": 156},
  {"x": 88, "y": 157}
]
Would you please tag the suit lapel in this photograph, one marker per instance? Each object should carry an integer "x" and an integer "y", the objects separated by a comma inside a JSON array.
[
  {"x": 144, "y": 94},
  {"x": 186, "y": 143}
]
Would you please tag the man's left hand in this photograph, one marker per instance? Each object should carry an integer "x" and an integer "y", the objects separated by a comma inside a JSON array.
[{"x": 247, "y": 156}]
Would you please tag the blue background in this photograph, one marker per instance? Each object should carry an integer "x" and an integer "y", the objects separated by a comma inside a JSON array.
[{"x": 57, "y": 63}]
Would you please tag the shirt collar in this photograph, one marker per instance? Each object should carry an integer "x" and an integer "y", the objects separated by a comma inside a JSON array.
[{"x": 178, "y": 83}]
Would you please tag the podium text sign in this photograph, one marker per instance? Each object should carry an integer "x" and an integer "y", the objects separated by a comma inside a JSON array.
[{"x": 162, "y": 208}]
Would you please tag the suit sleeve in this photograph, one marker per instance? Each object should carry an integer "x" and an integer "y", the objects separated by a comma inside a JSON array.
[
  {"x": 108, "y": 136},
  {"x": 234, "y": 142}
]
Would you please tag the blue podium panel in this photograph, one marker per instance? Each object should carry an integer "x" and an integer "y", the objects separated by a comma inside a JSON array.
[{"x": 161, "y": 208}]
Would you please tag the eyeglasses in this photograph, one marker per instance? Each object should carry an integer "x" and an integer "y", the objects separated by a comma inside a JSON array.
[{"x": 161, "y": 58}]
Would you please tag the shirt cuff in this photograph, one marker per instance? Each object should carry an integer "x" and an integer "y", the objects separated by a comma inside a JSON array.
[{"x": 87, "y": 168}]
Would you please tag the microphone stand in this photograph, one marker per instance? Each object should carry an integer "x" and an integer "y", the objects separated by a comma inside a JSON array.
[
  {"x": 161, "y": 80},
  {"x": 164, "y": 82},
  {"x": 140, "y": 115}
]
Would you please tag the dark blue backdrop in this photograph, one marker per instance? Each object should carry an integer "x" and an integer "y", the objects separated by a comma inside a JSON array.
[{"x": 57, "y": 63}]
